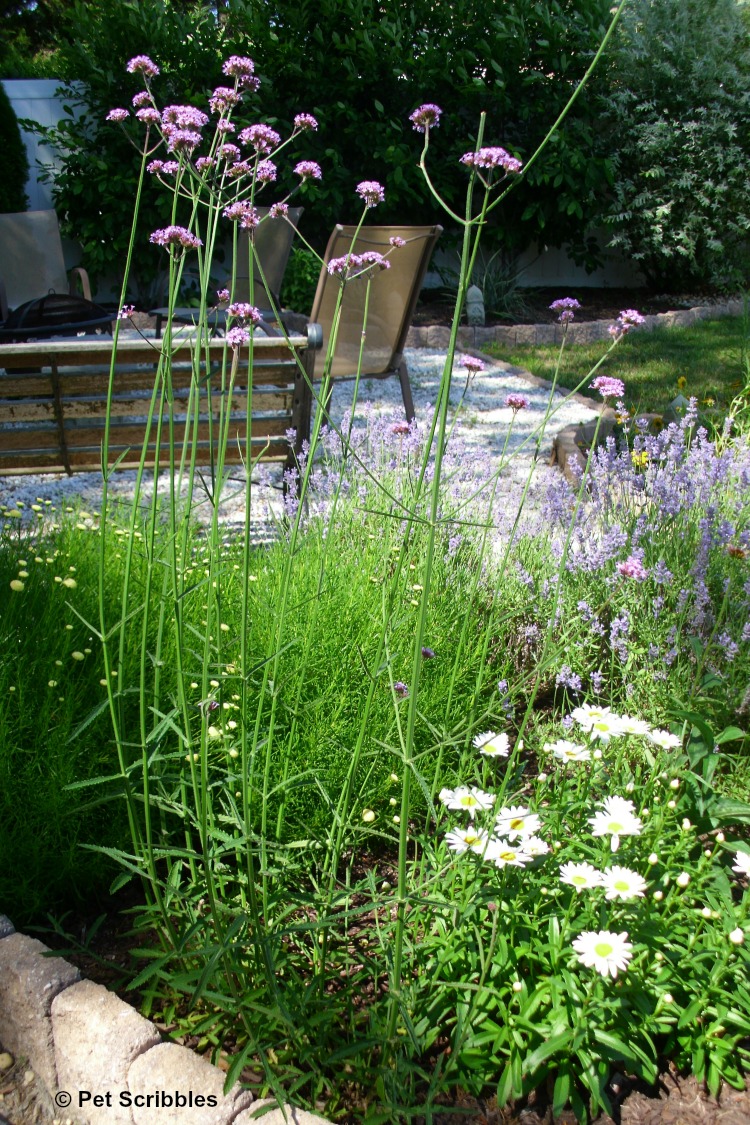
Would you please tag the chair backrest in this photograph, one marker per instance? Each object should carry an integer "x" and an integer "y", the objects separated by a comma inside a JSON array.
[
  {"x": 393, "y": 298},
  {"x": 273, "y": 244},
  {"x": 31, "y": 256}
]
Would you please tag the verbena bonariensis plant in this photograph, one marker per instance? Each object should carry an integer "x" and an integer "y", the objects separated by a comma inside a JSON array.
[{"x": 359, "y": 937}]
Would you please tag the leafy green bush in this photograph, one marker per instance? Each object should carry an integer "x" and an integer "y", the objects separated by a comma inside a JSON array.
[
  {"x": 372, "y": 67},
  {"x": 678, "y": 109},
  {"x": 15, "y": 161}
]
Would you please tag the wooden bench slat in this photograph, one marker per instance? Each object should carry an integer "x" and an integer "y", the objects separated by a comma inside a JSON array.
[
  {"x": 53, "y": 420},
  {"x": 34, "y": 410}
]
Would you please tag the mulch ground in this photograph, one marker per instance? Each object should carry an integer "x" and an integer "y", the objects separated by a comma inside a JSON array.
[{"x": 596, "y": 304}]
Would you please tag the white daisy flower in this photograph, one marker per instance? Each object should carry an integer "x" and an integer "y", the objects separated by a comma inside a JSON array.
[
  {"x": 621, "y": 882},
  {"x": 515, "y": 820},
  {"x": 503, "y": 854},
  {"x": 568, "y": 751},
  {"x": 665, "y": 739},
  {"x": 586, "y": 715},
  {"x": 535, "y": 845},
  {"x": 608, "y": 726},
  {"x": 604, "y": 951},
  {"x": 492, "y": 745},
  {"x": 742, "y": 864},
  {"x": 467, "y": 797},
  {"x": 617, "y": 818},
  {"x": 467, "y": 839},
  {"x": 630, "y": 725},
  {"x": 582, "y": 876}
]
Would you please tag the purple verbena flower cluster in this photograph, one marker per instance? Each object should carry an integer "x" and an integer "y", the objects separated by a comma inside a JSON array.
[
  {"x": 490, "y": 158},
  {"x": 371, "y": 192},
  {"x": 176, "y": 236},
  {"x": 566, "y": 307},
  {"x": 425, "y": 117}
]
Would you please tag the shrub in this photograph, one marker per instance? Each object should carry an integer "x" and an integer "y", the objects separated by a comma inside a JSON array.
[
  {"x": 679, "y": 110},
  {"x": 15, "y": 161},
  {"x": 372, "y": 66}
]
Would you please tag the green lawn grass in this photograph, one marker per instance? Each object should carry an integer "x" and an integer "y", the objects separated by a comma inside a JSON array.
[{"x": 710, "y": 356}]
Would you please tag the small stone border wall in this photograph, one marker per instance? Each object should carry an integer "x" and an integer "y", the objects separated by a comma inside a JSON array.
[
  {"x": 101, "y": 1062},
  {"x": 579, "y": 332}
]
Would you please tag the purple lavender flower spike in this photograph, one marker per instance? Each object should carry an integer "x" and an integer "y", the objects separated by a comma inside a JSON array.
[
  {"x": 371, "y": 192},
  {"x": 425, "y": 117},
  {"x": 141, "y": 64},
  {"x": 428, "y": 653}
]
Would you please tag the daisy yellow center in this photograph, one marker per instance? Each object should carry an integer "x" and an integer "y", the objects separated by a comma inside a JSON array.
[
  {"x": 517, "y": 822},
  {"x": 603, "y": 949},
  {"x": 622, "y": 885},
  {"x": 469, "y": 801},
  {"x": 471, "y": 838},
  {"x": 579, "y": 880},
  {"x": 508, "y": 855},
  {"x": 614, "y": 826}
]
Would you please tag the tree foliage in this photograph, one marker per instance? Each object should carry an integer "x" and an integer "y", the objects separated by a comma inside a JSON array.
[
  {"x": 678, "y": 109},
  {"x": 361, "y": 69}
]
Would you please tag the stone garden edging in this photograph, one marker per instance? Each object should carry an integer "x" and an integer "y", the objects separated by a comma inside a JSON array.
[
  {"x": 80, "y": 1038},
  {"x": 579, "y": 332}
]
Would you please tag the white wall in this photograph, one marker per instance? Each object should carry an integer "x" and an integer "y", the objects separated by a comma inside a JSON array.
[{"x": 35, "y": 98}]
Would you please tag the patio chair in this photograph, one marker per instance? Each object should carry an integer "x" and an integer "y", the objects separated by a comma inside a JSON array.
[
  {"x": 31, "y": 260},
  {"x": 393, "y": 298},
  {"x": 273, "y": 244}
]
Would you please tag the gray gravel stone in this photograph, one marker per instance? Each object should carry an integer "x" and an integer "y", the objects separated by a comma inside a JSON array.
[{"x": 6, "y": 926}]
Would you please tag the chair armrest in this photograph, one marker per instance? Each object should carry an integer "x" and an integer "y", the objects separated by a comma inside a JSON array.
[{"x": 79, "y": 273}]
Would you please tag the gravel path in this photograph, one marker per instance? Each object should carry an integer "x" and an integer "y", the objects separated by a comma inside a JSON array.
[{"x": 481, "y": 428}]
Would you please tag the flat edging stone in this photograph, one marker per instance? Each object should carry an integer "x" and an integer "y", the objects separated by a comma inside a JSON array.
[{"x": 100, "y": 1061}]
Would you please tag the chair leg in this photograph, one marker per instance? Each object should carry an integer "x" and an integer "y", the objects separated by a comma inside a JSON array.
[{"x": 403, "y": 378}]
